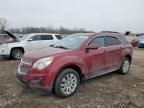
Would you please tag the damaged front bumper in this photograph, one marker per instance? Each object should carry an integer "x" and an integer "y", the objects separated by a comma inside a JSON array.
[{"x": 35, "y": 84}]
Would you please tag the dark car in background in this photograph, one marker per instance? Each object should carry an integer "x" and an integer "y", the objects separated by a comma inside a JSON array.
[{"x": 141, "y": 42}]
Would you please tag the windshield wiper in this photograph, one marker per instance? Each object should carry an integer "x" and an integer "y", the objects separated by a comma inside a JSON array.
[{"x": 60, "y": 47}]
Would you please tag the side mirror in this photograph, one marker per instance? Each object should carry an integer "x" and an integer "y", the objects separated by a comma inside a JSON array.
[
  {"x": 30, "y": 39},
  {"x": 51, "y": 45},
  {"x": 92, "y": 46}
]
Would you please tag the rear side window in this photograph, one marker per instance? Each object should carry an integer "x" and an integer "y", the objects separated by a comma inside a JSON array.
[
  {"x": 36, "y": 38},
  {"x": 98, "y": 41},
  {"x": 111, "y": 41},
  {"x": 58, "y": 37},
  {"x": 46, "y": 37}
]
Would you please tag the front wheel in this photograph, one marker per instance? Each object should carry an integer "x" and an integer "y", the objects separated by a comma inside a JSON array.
[
  {"x": 67, "y": 83},
  {"x": 125, "y": 66},
  {"x": 17, "y": 53}
]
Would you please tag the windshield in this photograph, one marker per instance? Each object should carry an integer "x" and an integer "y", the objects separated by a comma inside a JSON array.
[
  {"x": 71, "y": 42},
  {"x": 23, "y": 38}
]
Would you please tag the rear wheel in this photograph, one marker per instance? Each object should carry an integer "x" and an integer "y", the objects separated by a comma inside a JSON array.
[
  {"x": 67, "y": 83},
  {"x": 125, "y": 66},
  {"x": 17, "y": 53},
  {"x": 140, "y": 47}
]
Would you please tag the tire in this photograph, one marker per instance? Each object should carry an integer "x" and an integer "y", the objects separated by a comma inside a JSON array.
[
  {"x": 67, "y": 83},
  {"x": 139, "y": 47},
  {"x": 17, "y": 53},
  {"x": 125, "y": 66}
]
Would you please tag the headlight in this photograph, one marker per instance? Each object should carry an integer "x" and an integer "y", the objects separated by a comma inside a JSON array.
[
  {"x": 4, "y": 45},
  {"x": 43, "y": 63}
]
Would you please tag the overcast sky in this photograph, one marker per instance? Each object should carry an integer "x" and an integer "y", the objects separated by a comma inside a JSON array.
[{"x": 96, "y": 15}]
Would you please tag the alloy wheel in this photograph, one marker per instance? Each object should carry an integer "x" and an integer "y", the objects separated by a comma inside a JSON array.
[{"x": 69, "y": 84}]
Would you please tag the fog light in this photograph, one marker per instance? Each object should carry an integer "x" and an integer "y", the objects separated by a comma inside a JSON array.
[
  {"x": 2, "y": 51},
  {"x": 37, "y": 81}
]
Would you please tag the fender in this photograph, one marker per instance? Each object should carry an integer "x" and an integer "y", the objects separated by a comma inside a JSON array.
[
  {"x": 61, "y": 63},
  {"x": 127, "y": 51}
]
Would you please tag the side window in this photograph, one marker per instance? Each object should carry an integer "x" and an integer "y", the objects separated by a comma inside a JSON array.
[
  {"x": 36, "y": 38},
  {"x": 46, "y": 37},
  {"x": 58, "y": 37},
  {"x": 111, "y": 41},
  {"x": 99, "y": 41}
]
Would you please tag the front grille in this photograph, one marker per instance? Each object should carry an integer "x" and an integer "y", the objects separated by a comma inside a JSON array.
[
  {"x": 23, "y": 69},
  {"x": 26, "y": 61}
]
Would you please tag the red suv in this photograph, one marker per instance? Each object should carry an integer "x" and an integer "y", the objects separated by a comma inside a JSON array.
[{"x": 61, "y": 67}]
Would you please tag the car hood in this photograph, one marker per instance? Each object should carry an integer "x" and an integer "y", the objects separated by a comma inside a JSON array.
[
  {"x": 11, "y": 35},
  {"x": 44, "y": 52}
]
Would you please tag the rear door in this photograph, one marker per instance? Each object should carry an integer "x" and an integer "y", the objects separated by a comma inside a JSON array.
[
  {"x": 33, "y": 43},
  {"x": 113, "y": 51},
  {"x": 46, "y": 40}
]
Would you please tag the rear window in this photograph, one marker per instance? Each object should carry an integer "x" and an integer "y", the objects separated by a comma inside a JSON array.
[
  {"x": 46, "y": 37},
  {"x": 58, "y": 37},
  {"x": 111, "y": 41},
  {"x": 42, "y": 37}
]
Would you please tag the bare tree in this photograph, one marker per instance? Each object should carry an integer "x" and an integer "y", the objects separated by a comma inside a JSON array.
[
  {"x": 48, "y": 29},
  {"x": 3, "y": 24}
]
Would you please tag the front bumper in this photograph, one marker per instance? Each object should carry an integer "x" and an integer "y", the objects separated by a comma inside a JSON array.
[
  {"x": 34, "y": 83},
  {"x": 4, "y": 51}
]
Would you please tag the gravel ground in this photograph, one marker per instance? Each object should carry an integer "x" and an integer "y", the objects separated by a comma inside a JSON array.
[{"x": 109, "y": 91}]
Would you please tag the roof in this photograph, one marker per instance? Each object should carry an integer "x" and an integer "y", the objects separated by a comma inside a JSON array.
[
  {"x": 109, "y": 32},
  {"x": 101, "y": 33},
  {"x": 43, "y": 34},
  {"x": 83, "y": 34}
]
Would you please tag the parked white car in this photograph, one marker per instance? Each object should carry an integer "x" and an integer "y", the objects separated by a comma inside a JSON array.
[{"x": 16, "y": 47}]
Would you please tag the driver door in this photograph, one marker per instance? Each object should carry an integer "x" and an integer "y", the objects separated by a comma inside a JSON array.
[
  {"x": 96, "y": 58},
  {"x": 34, "y": 43}
]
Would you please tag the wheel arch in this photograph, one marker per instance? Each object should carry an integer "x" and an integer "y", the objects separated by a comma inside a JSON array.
[
  {"x": 71, "y": 66},
  {"x": 18, "y": 48},
  {"x": 129, "y": 57}
]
